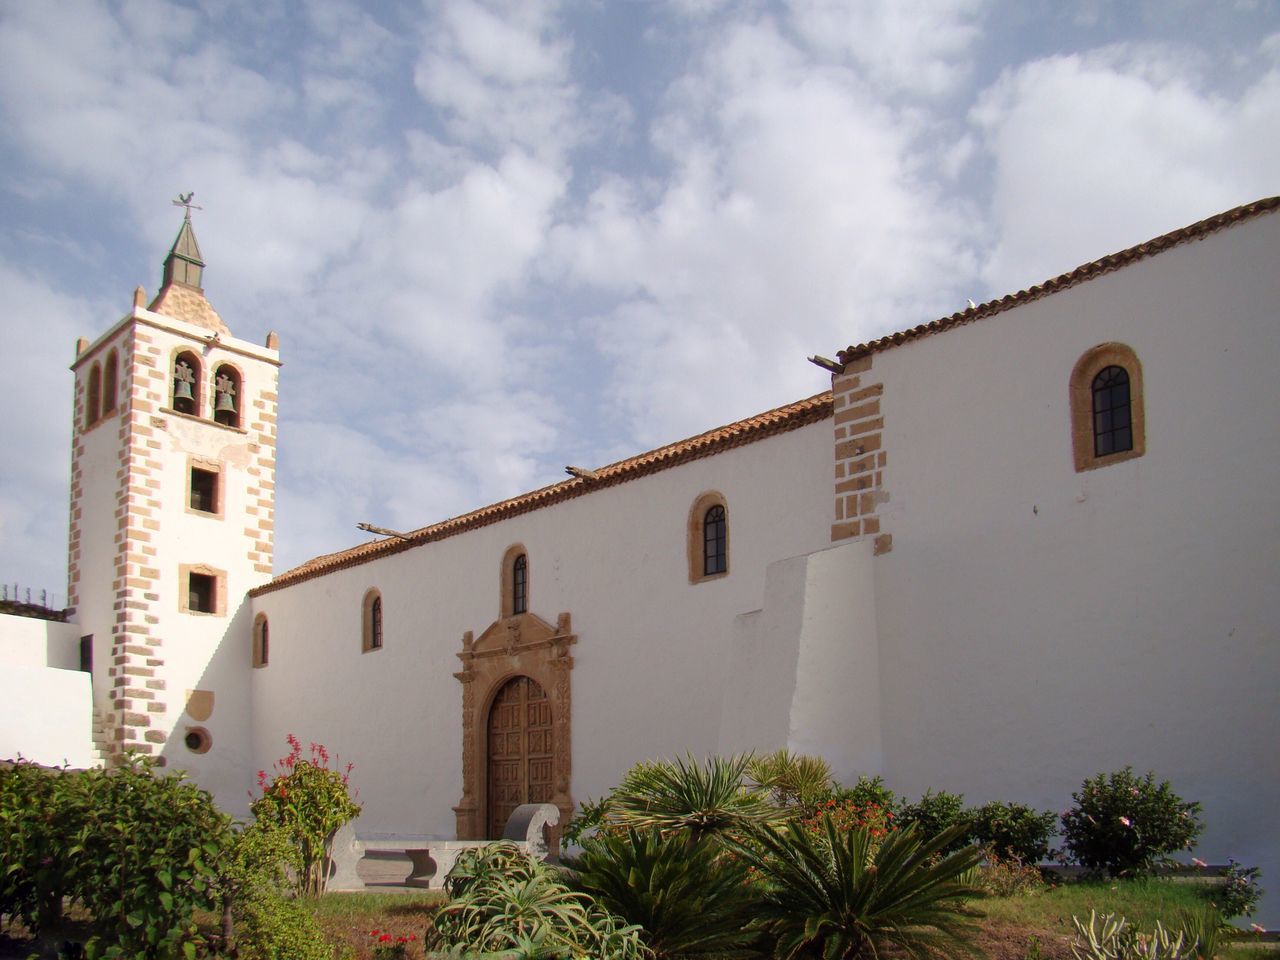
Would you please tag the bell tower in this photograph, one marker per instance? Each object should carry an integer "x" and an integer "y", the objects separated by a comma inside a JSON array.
[{"x": 172, "y": 516}]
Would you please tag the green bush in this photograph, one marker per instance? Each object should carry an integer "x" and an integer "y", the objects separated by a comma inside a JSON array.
[
  {"x": 1124, "y": 825},
  {"x": 259, "y": 922},
  {"x": 1239, "y": 892},
  {"x": 936, "y": 812},
  {"x": 139, "y": 852},
  {"x": 1001, "y": 877},
  {"x": 1014, "y": 830},
  {"x": 689, "y": 900},
  {"x": 34, "y": 835},
  {"x": 310, "y": 802},
  {"x": 591, "y": 818}
]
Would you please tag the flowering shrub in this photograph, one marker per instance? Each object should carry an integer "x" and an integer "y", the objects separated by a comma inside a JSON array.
[
  {"x": 847, "y": 814},
  {"x": 389, "y": 947},
  {"x": 1123, "y": 825},
  {"x": 1239, "y": 892},
  {"x": 310, "y": 801},
  {"x": 872, "y": 790}
]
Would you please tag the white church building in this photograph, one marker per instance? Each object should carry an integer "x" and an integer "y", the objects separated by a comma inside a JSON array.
[{"x": 1010, "y": 549}]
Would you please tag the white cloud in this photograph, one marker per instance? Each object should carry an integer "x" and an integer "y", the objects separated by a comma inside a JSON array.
[
  {"x": 1096, "y": 152},
  {"x": 793, "y": 221},
  {"x": 918, "y": 46},
  {"x": 500, "y": 77},
  {"x": 36, "y": 393}
]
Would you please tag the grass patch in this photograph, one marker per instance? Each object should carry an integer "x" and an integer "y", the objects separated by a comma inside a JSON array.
[
  {"x": 349, "y": 918},
  {"x": 1046, "y": 914},
  {"x": 1141, "y": 902}
]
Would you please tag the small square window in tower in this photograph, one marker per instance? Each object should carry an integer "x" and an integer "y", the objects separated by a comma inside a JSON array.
[
  {"x": 201, "y": 593},
  {"x": 204, "y": 490}
]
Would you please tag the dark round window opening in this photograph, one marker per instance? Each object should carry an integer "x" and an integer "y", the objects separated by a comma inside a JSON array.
[{"x": 198, "y": 740}]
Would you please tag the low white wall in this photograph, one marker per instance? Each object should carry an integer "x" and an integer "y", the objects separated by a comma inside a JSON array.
[
  {"x": 835, "y": 710},
  {"x": 47, "y": 716},
  {"x": 28, "y": 642}
]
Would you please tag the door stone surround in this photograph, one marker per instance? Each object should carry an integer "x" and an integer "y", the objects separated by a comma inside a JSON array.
[{"x": 522, "y": 645}]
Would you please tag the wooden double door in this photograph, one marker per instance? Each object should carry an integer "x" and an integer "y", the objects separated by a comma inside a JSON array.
[{"x": 520, "y": 749}]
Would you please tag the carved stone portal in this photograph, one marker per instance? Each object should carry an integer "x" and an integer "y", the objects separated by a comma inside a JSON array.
[{"x": 521, "y": 646}]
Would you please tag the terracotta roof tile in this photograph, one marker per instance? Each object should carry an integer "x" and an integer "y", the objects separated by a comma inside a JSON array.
[
  {"x": 187, "y": 303},
  {"x": 1081, "y": 274},
  {"x": 762, "y": 425}
]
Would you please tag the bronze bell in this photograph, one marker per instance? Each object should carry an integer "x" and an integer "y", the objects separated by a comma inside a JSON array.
[
  {"x": 182, "y": 390},
  {"x": 226, "y": 403}
]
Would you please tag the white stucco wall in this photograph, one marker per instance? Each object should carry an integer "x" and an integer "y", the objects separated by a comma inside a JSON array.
[
  {"x": 1039, "y": 625},
  {"x": 46, "y": 708},
  {"x": 652, "y": 654},
  {"x": 30, "y": 642},
  {"x": 802, "y": 671}
]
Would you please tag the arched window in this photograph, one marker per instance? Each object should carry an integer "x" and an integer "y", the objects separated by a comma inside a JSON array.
[
  {"x": 93, "y": 398},
  {"x": 186, "y": 384},
  {"x": 715, "y": 558},
  {"x": 1107, "y": 420},
  {"x": 514, "y": 579},
  {"x": 261, "y": 641},
  {"x": 226, "y": 396},
  {"x": 520, "y": 584},
  {"x": 708, "y": 537},
  {"x": 110, "y": 383},
  {"x": 1112, "y": 419},
  {"x": 371, "y": 632}
]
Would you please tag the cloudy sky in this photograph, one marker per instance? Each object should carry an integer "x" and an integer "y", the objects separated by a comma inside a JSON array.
[{"x": 496, "y": 239}]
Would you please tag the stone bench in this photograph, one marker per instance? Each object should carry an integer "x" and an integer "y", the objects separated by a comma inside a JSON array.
[{"x": 432, "y": 857}]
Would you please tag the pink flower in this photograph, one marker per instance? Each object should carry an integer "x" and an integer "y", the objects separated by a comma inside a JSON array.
[
  {"x": 1257, "y": 928},
  {"x": 1125, "y": 821},
  {"x": 1197, "y": 862}
]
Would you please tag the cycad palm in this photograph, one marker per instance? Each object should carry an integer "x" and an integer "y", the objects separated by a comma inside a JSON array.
[
  {"x": 828, "y": 897},
  {"x": 675, "y": 796},
  {"x": 690, "y": 900}
]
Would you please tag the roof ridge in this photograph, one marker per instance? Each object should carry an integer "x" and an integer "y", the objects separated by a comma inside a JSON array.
[
  {"x": 1081, "y": 274},
  {"x": 783, "y": 419}
]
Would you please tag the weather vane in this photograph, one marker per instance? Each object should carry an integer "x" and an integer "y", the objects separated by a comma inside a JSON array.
[{"x": 186, "y": 202}]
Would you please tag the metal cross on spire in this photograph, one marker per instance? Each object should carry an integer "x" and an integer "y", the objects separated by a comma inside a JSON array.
[{"x": 186, "y": 202}]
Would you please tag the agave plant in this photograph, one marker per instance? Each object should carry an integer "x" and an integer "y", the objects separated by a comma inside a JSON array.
[
  {"x": 830, "y": 897},
  {"x": 1111, "y": 938},
  {"x": 506, "y": 901},
  {"x": 794, "y": 779},
  {"x": 1205, "y": 929},
  {"x": 683, "y": 796},
  {"x": 690, "y": 900}
]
